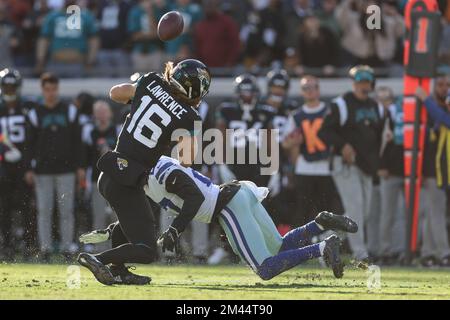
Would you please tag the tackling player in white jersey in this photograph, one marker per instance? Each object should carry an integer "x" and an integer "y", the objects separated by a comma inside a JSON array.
[{"x": 250, "y": 231}]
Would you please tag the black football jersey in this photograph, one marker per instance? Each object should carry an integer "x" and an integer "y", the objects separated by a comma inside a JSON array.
[
  {"x": 155, "y": 114},
  {"x": 246, "y": 125},
  {"x": 13, "y": 122}
]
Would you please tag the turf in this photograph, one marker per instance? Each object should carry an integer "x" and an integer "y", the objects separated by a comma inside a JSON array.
[{"x": 33, "y": 281}]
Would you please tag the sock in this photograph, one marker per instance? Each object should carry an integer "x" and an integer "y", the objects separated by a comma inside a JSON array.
[
  {"x": 286, "y": 260},
  {"x": 127, "y": 253},
  {"x": 300, "y": 237}
]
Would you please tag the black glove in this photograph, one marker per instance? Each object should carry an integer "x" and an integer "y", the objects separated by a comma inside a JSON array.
[{"x": 169, "y": 240}]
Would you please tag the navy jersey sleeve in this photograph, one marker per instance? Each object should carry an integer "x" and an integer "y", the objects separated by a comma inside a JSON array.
[{"x": 182, "y": 185}]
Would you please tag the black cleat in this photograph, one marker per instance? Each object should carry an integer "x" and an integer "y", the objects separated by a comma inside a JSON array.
[
  {"x": 98, "y": 269},
  {"x": 122, "y": 275},
  {"x": 332, "y": 256},
  {"x": 334, "y": 222}
]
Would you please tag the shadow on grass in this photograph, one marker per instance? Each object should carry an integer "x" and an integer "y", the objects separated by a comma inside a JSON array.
[{"x": 255, "y": 287}]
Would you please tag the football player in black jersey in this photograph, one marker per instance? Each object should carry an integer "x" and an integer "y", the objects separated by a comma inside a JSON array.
[
  {"x": 160, "y": 104},
  {"x": 281, "y": 184},
  {"x": 246, "y": 116},
  {"x": 13, "y": 110}
]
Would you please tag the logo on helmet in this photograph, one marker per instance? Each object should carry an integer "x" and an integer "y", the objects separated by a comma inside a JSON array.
[
  {"x": 204, "y": 79},
  {"x": 122, "y": 164}
]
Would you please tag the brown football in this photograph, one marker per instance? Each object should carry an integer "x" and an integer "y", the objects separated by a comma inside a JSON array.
[{"x": 170, "y": 25}]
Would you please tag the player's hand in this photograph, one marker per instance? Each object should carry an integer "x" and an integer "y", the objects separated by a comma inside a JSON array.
[
  {"x": 29, "y": 177},
  {"x": 169, "y": 240},
  {"x": 348, "y": 154}
]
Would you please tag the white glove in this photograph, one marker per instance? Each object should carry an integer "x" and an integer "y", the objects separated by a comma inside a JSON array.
[
  {"x": 226, "y": 175},
  {"x": 274, "y": 184},
  {"x": 13, "y": 155},
  {"x": 95, "y": 236}
]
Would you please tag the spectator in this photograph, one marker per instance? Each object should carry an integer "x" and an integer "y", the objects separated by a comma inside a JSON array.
[
  {"x": 265, "y": 45},
  {"x": 53, "y": 155},
  {"x": 327, "y": 17},
  {"x": 112, "y": 16},
  {"x": 444, "y": 49},
  {"x": 98, "y": 138},
  {"x": 181, "y": 47},
  {"x": 435, "y": 246},
  {"x": 71, "y": 50},
  {"x": 216, "y": 37},
  {"x": 360, "y": 45},
  {"x": 315, "y": 187},
  {"x": 142, "y": 23},
  {"x": 392, "y": 220},
  {"x": 84, "y": 103},
  {"x": 9, "y": 37},
  {"x": 295, "y": 12},
  {"x": 353, "y": 129},
  {"x": 317, "y": 46},
  {"x": 31, "y": 27}
]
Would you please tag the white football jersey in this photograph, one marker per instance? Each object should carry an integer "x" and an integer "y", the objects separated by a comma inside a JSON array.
[{"x": 156, "y": 190}]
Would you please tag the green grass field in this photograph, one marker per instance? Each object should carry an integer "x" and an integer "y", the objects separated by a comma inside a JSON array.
[{"x": 32, "y": 281}]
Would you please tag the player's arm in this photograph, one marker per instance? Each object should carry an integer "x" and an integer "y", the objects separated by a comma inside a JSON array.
[
  {"x": 182, "y": 185},
  {"x": 123, "y": 93}
]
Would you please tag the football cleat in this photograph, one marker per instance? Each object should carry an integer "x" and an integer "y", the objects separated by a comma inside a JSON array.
[
  {"x": 96, "y": 236},
  {"x": 122, "y": 275},
  {"x": 98, "y": 269},
  {"x": 330, "y": 221},
  {"x": 332, "y": 256}
]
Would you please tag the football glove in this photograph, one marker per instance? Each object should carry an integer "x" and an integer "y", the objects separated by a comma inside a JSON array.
[
  {"x": 95, "y": 236},
  {"x": 169, "y": 240}
]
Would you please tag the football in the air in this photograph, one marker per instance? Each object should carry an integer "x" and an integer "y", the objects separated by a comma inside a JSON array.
[{"x": 170, "y": 26}]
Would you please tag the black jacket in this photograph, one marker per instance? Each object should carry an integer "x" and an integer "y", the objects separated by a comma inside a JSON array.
[
  {"x": 358, "y": 123},
  {"x": 53, "y": 139}
]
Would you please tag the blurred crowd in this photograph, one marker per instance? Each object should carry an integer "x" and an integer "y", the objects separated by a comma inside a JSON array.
[
  {"x": 343, "y": 155},
  {"x": 116, "y": 38}
]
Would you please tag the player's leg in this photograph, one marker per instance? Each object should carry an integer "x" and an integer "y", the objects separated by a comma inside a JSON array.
[
  {"x": 137, "y": 225},
  {"x": 253, "y": 247},
  {"x": 324, "y": 221},
  {"x": 6, "y": 208},
  {"x": 137, "y": 222},
  {"x": 44, "y": 187},
  {"x": 65, "y": 190}
]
